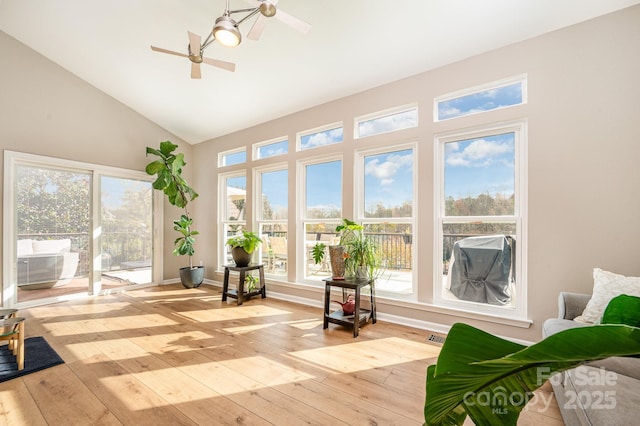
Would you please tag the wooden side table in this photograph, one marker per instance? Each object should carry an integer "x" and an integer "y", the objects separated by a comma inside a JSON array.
[
  {"x": 239, "y": 293},
  {"x": 360, "y": 316}
]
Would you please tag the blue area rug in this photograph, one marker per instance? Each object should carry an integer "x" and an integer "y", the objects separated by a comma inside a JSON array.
[{"x": 38, "y": 355}]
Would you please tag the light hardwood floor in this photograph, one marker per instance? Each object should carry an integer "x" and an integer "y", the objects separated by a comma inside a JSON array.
[{"x": 171, "y": 356}]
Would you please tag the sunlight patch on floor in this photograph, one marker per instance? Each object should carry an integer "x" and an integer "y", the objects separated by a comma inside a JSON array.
[
  {"x": 266, "y": 371},
  {"x": 222, "y": 379},
  {"x": 233, "y": 313},
  {"x": 177, "y": 342},
  {"x": 137, "y": 321},
  {"x": 115, "y": 384},
  {"x": 365, "y": 355},
  {"x": 306, "y": 324},
  {"x": 183, "y": 293},
  {"x": 248, "y": 328}
]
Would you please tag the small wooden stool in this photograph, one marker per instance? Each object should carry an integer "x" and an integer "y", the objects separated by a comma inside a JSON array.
[
  {"x": 240, "y": 294},
  {"x": 7, "y": 313},
  {"x": 12, "y": 330}
]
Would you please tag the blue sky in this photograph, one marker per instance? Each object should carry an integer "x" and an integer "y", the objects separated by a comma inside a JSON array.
[
  {"x": 388, "y": 179},
  {"x": 325, "y": 137},
  {"x": 482, "y": 101},
  {"x": 113, "y": 190},
  {"x": 273, "y": 149},
  {"x": 479, "y": 166}
]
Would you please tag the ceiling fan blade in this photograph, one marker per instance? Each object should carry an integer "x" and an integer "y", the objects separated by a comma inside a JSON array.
[
  {"x": 170, "y": 52},
  {"x": 258, "y": 25},
  {"x": 292, "y": 21},
  {"x": 256, "y": 29},
  {"x": 194, "y": 43},
  {"x": 229, "y": 66},
  {"x": 195, "y": 70}
]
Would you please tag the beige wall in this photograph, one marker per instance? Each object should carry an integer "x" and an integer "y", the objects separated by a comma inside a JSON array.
[
  {"x": 583, "y": 151},
  {"x": 46, "y": 110}
]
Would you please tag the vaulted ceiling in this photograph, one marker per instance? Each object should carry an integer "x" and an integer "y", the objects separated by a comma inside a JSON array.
[{"x": 352, "y": 46}]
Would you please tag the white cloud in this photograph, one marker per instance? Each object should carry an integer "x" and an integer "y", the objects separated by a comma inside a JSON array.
[
  {"x": 386, "y": 170},
  {"x": 480, "y": 152},
  {"x": 389, "y": 123},
  {"x": 448, "y": 112},
  {"x": 324, "y": 138}
]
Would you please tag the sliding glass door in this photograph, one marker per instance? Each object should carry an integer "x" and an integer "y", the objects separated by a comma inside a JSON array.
[{"x": 74, "y": 228}]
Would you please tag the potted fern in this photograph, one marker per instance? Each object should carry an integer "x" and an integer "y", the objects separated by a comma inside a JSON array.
[{"x": 168, "y": 171}]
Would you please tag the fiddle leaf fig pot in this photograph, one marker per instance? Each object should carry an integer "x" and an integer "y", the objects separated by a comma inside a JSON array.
[{"x": 192, "y": 277}]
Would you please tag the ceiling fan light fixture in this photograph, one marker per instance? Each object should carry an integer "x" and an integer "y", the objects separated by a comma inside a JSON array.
[{"x": 226, "y": 32}]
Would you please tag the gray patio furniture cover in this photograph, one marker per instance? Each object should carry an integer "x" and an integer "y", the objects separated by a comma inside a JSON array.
[{"x": 480, "y": 271}]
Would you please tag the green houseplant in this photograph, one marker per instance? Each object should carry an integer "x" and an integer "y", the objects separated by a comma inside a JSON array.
[
  {"x": 242, "y": 247},
  {"x": 251, "y": 283},
  {"x": 360, "y": 255},
  {"x": 491, "y": 379},
  {"x": 168, "y": 171}
]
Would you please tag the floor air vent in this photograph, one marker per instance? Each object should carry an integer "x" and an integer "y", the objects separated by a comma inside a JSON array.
[{"x": 434, "y": 338}]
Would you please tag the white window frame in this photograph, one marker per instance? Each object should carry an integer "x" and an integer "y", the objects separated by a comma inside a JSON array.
[
  {"x": 256, "y": 147},
  {"x": 519, "y": 128},
  {"x": 332, "y": 126},
  {"x": 222, "y": 210},
  {"x": 383, "y": 114},
  {"x": 522, "y": 78},
  {"x": 260, "y": 221},
  {"x": 359, "y": 206},
  {"x": 222, "y": 156},
  {"x": 302, "y": 220}
]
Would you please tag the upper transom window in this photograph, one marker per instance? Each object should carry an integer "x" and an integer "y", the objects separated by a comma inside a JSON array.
[
  {"x": 229, "y": 158},
  {"x": 321, "y": 136},
  {"x": 488, "y": 97},
  {"x": 386, "y": 121},
  {"x": 271, "y": 148}
]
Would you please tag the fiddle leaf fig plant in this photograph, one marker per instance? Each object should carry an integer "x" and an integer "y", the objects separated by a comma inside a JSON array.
[{"x": 168, "y": 171}]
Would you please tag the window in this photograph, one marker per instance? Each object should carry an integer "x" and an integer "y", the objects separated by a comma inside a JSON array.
[
  {"x": 271, "y": 148},
  {"x": 75, "y": 228},
  {"x": 322, "y": 209},
  {"x": 273, "y": 204},
  {"x": 488, "y": 97},
  {"x": 386, "y": 121},
  {"x": 230, "y": 158},
  {"x": 323, "y": 136},
  {"x": 480, "y": 220},
  {"x": 233, "y": 191},
  {"x": 387, "y": 212}
]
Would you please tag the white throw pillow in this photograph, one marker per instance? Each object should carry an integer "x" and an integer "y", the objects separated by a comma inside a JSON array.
[
  {"x": 606, "y": 286},
  {"x": 25, "y": 247},
  {"x": 51, "y": 246}
]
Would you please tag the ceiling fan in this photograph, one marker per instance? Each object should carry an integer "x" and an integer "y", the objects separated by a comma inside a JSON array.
[
  {"x": 196, "y": 50},
  {"x": 226, "y": 31}
]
